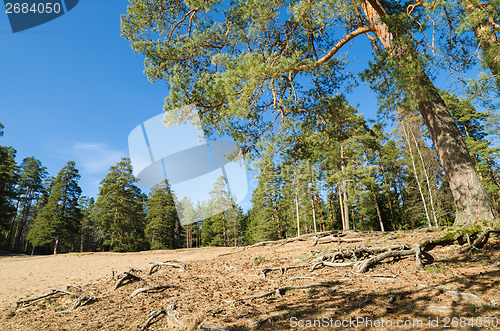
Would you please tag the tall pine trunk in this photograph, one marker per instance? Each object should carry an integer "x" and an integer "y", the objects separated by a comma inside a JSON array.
[{"x": 471, "y": 200}]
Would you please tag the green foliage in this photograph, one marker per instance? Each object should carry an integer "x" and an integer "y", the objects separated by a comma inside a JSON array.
[
  {"x": 163, "y": 230},
  {"x": 226, "y": 227},
  {"x": 8, "y": 179},
  {"x": 29, "y": 191},
  {"x": 119, "y": 210},
  {"x": 58, "y": 221}
]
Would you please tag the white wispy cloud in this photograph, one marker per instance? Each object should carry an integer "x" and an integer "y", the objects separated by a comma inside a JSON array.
[{"x": 95, "y": 158}]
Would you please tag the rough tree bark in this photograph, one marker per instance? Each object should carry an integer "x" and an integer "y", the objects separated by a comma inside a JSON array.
[{"x": 472, "y": 201}]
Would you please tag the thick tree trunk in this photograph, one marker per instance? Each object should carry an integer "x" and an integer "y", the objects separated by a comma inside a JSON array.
[{"x": 471, "y": 199}]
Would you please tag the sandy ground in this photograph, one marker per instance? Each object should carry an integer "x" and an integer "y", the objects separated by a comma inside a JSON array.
[
  {"x": 216, "y": 288},
  {"x": 27, "y": 276}
]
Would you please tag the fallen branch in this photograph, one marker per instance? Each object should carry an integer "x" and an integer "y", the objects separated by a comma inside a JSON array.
[
  {"x": 82, "y": 301},
  {"x": 157, "y": 265},
  {"x": 28, "y": 302},
  {"x": 125, "y": 276},
  {"x": 462, "y": 295},
  {"x": 151, "y": 288},
  {"x": 279, "y": 292}
]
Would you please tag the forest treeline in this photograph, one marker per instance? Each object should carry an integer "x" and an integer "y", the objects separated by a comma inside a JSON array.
[
  {"x": 269, "y": 74},
  {"x": 348, "y": 173}
]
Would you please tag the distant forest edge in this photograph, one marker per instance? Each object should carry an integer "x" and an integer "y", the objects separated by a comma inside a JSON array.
[
  {"x": 268, "y": 74},
  {"x": 346, "y": 175}
]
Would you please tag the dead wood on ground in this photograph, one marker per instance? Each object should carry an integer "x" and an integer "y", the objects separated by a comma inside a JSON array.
[
  {"x": 156, "y": 315},
  {"x": 281, "y": 269},
  {"x": 28, "y": 302},
  {"x": 83, "y": 300},
  {"x": 124, "y": 277},
  {"x": 156, "y": 265},
  {"x": 151, "y": 288}
]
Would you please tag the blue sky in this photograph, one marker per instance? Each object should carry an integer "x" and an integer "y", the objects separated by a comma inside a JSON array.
[{"x": 72, "y": 89}]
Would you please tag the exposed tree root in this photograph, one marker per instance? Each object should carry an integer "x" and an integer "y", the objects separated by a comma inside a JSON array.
[
  {"x": 281, "y": 269},
  {"x": 300, "y": 277},
  {"x": 364, "y": 265},
  {"x": 124, "y": 277},
  {"x": 82, "y": 301},
  {"x": 273, "y": 317},
  {"x": 214, "y": 327},
  {"x": 471, "y": 298},
  {"x": 481, "y": 240},
  {"x": 332, "y": 264},
  {"x": 172, "y": 317},
  {"x": 29, "y": 302},
  {"x": 151, "y": 288},
  {"x": 256, "y": 324},
  {"x": 132, "y": 269},
  {"x": 156, "y": 265},
  {"x": 155, "y": 315},
  {"x": 330, "y": 239},
  {"x": 285, "y": 241},
  {"x": 77, "y": 289},
  {"x": 279, "y": 292},
  {"x": 357, "y": 252}
]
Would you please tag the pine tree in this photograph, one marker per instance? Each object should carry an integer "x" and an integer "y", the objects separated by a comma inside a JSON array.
[
  {"x": 246, "y": 54},
  {"x": 58, "y": 221},
  {"x": 8, "y": 180},
  {"x": 162, "y": 222},
  {"x": 88, "y": 227},
  {"x": 119, "y": 210},
  {"x": 29, "y": 188}
]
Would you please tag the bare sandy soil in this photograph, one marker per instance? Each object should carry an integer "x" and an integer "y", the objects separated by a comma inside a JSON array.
[{"x": 457, "y": 291}]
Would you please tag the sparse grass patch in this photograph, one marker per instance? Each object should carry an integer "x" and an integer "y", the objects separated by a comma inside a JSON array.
[
  {"x": 258, "y": 260},
  {"x": 435, "y": 268}
]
